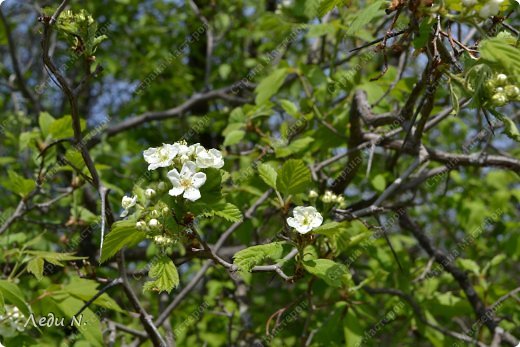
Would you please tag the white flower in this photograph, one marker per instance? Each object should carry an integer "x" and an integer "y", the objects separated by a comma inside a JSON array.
[
  {"x": 313, "y": 194},
  {"x": 160, "y": 156},
  {"x": 187, "y": 181},
  {"x": 127, "y": 203},
  {"x": 149, "y": 193},
  {"x": 209, "y": 158},
  {"x": 183, "y": 151},
  {"x": 305, "y": 219},
  {"x": 469, "y": 2},
  {"x": 490, "y": 9},
  {"x": 162, "y": 240}
]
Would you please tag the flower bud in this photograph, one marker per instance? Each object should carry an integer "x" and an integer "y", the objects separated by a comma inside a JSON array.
[
  {"x": 154, "y": 223},
  {"x": 155, "y": 214},
  {"x": 499, "y": 90},
  {"x": 141, "y": 225},
  {"x": 499, "y": 99},
  {"x": 149, "y": 193},
  {"x": 512, "y": 92},
  {"x": 165, "y": 211},
  {"x": 162, "y": 186},
  {"x": 501, "y": 79},
  {"x": 313, "y": 194}
]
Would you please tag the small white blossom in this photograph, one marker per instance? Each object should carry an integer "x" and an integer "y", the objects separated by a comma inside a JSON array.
[
  {"x": 469, "y": 2},
  {"x": 160, "y": 156},
  {"x": 154, "y": 223},
  {"x": 184, "y": 152},
  {"x": 149, "y": 193},
  {"x": 313, "y": 194},
  {"x": 305, "y": 219},
  {"x": 127, "y": 203},
  {"x": 141, "y": 225},
  {"x": 208, "y": 158},
  {"x": 187, "y": 181},
  {"x": 328, "y": 197}
]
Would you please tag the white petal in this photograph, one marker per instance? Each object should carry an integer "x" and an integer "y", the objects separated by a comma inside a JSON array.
[
  {"x": 304, "y": 229},
  {"x": 293, "y": 222},
  {"x": 192, "y": 194},
  {"x": 198, "y": 179},
  {"x": 150, "y": 155},
  {"x": 175, "y": 191},
  {"x": 299, "y": 212},
  {"x": 316, "y": 220},
  {"x": 188, "y": 169},
  {"x": 173, "y": 175},
  {"x": 124, "y": 214}
]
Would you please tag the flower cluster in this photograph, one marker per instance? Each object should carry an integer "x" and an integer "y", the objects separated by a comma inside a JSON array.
[
  {"x": 305, "y": 219},
  {"x": 189, "y": 159},
  {"x": 501, "y": 90},
  {"x": 488, "y": 7},
  {"x": 12, "y": 321}
]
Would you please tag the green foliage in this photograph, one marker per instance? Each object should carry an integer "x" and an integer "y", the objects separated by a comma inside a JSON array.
[
  {"x": 164, "y": 273},
  {"x": 248, "y": 258},
  {"x": 123, "y": 234},
  {"x": 293, "y": 177}
]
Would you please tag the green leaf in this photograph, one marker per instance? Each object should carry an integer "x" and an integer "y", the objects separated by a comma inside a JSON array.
[
  {"x": 510, "y": 128},
  {"x": 35, "y": 266},
  {"x": 379, "y": 183},
  {"x": 499, "y": 52},
  {"x": 234, "y": 137},
  {"x": 165, "y": 274},
  {"x": 365, "y": 16},
  {"x": 328, "y": 270},
  {"x": 123, "y": 234},
  {"x": 469, "y": 264},
  {"x": 327, "y": 6},
  {"x": 85, "y": 290},
  {"x": 18, "y": 184},
  {"x": 61, "y": 128},
  {"x": 45, "y": 121},
  {"x": 294, "y": 147},
  {"x": 2, "y": 304},
  {"x": 87, "y": 324},
  {"x": 289, "y": 107},
  {"x": 352, "y": 329},
  {"x": 54, "y": 257},
  {"x": 228, "y": 211},
  {"x": 268, "y": 174},
  {"x": 248, "y": 258},
  {"x": 294, "y": 177},
  {"x": 14, "y": 295},
  {"x": 269, "y": 86}
]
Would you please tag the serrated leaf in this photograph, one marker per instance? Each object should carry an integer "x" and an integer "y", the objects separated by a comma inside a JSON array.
[
  {"x": 229, "y": 212},
  {"x": 248, "y": 258},
  {"x": 123, "y": 234},
  {"x": 327, "y": 6},
  {"x": 35, "y": 266},
  {"x": 499, "y": 52},
  {"x": 294, "y": 177},
  {"x": 54, "y": 257},
  {"x": 469, "y": 264},
  {"x": 18, "y": 184},
  {"x": 289, "y": 107},
  {"x": 14, "y": 295},
  {"x": 165, "y": 274},
  {"x": 269, "y": 85},
  {"x": 295, "y": 146},
  {"x": 268, "y": 174},
  {"x": 326, "y": 269},
  {"x": 61, "y": 128},
  {"x": 352, "y": 329}
]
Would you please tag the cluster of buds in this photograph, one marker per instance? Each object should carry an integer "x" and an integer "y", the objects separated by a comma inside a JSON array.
[
  {"x": 328, "y": 198},
  {"x": 501, "y": 90},
  {"x": 163, "y": 240}
]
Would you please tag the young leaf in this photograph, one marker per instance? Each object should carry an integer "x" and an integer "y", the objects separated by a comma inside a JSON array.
[
  {"x": 18, "y": 184},
  {"x": 270, "y": 85},
  {"x": 123, "y": 234},
  {"x": 268, "y": 174},
  {"x": 365, "y": 16},
  {"x": 248, "y": 258},
  {"x": 165, "y": 274},
  {"x": 328, "y": 270},
  {"x": 35, "y": 266},
  {"x": 294, "y": 177}
]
